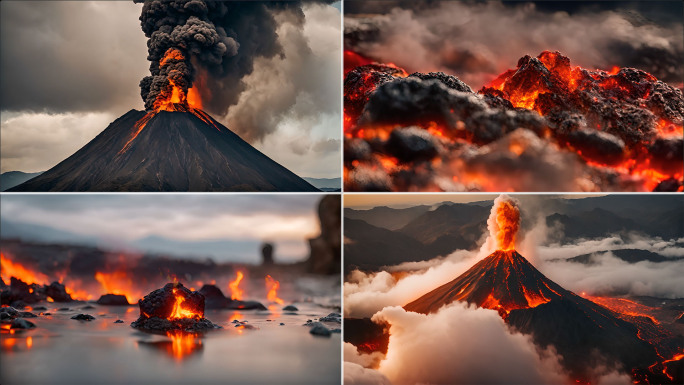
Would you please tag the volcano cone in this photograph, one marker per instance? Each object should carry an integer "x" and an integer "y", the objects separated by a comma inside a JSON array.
[
  {"x": 174, "y": 151},
  {"x": 531, "y": 303}
]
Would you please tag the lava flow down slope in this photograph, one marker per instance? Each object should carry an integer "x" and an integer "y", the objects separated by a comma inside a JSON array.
[
  {"x": 583, "y": 333},
  {"x": 543, "y": 126}
]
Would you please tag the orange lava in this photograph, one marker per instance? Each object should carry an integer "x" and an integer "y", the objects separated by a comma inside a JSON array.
[
  {"x": 507, "y": 218},
  {"x": 272, "y": 286},
  {"x": 235, "y": 292},
  {"x": 182, "y": 343},
  {"x": 118, "y": 282},
  {"x": 624, "y": 307},
  {"x": 15, "y": 269},
  {"x": 179, "y": 311}
]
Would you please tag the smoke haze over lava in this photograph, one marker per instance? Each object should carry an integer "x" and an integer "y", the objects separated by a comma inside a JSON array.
[{"x": 545, "y": 124}]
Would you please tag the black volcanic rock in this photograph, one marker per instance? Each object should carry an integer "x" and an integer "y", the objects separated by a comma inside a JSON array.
[
  {"x": 575, "y": 326},
  {"x": 173, "y": 307},
  {"x": 113, "y": 300},
  {"x": 214, "y": 298},
  {"x": 175, "y": 151},
  {"x": 83, "y": 317},
  {"x": 58, "y": 292},
  {"x": 246, "y": 305}
]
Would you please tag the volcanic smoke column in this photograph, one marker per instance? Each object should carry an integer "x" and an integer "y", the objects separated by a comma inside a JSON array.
[
  {"x": 503, "y": 223},
  {"x": 179, "y": 32}
]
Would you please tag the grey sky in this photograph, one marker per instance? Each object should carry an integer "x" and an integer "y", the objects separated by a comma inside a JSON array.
[
  {"x": 68, "y": 69},
  {"x": 131, "y": 220}
]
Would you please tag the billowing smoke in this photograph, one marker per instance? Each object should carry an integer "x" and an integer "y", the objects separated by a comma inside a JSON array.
[
  {"x": 480, "y": 349},
  {"x": 365, "y": 294},
  {"x": 254, "y": 65},
  {"x": 478, "y": 40},
  {"x": 179, "y": 32}
]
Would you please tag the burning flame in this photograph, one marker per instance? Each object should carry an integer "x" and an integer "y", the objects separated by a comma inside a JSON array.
[
  {"x": 272, "y": 286},
  {"x": 179, "y": 311},
  {"x": 17, "y": 270},
  {"x": 504, "y": 222},
  {"x": 235, "y": 292},
  {"x": 118, "y": 282}
]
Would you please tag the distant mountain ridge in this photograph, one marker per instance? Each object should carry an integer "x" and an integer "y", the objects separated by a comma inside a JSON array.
[{"x": 10, "y": 179}]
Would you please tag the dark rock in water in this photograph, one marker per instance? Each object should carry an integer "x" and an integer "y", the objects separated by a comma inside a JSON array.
[
  {"x": 290, "y": 308},
  {"x": 19, "y": 293},
  {"x": 63, "y": 309},
  {"x": 113, "y": 300},
  {"x": 338, "y": 330},
  {"x": 8, "y": 312},
  {"x": 186, "y": 324},
  {"x": 118, "y": 321},
  {"x": 214, "y": 298},
  {"x": 318, "y": 329},
  {"x": 332, "y": 317},
  {"x": 57, "y": 292},
  {"x": 173, "y": 297},
  {"x": 88, "y": 307},
  {"x": 83, "y": 317},
  {"x": 282, "y": 324},
  {"x": 20, "y": 323},
  {"x": 235, "y": 321},
  {"x": 40, "y": 308},
  {"x": 246, "y": 305},
  {"x": 245, "y": 325},
  {"x": 46, "y": 313},
  {"x": 28, "y": 314},
  {"x": 18, "y": 304},
  {"x": 173, "y": 307}
]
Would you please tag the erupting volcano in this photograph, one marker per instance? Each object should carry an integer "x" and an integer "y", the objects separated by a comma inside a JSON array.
[
  {"x": 174, "y": 145},
  {"x": 531, "y": 303},
  {"x": 543, "y": 126}
]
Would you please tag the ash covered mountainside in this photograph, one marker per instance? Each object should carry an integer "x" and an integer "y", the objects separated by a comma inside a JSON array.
[{"x": 169, "y": 151}]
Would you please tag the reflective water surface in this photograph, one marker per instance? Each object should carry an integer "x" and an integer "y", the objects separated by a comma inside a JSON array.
[{"x": 260, "y": 351}]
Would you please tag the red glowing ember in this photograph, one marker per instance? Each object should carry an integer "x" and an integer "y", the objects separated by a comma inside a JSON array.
[{"x": 543, "y": 126}]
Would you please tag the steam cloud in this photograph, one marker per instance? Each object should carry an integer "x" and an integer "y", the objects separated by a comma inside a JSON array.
[
  {"x": 479, "y": 340},
  {"x": 479, "y": 40}
]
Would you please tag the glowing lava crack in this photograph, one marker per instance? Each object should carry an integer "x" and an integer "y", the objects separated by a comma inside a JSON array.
[{"x": 173, "y": 307}]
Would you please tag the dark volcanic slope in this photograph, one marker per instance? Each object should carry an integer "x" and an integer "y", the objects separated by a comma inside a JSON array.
[
  {"x": 175, "y": 151},
  {"x": 533, "y": 304},
  {"x": 504, "y": 280}
]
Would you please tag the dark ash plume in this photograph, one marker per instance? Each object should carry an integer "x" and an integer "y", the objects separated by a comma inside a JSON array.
[{"x": 222, "y": 38}]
